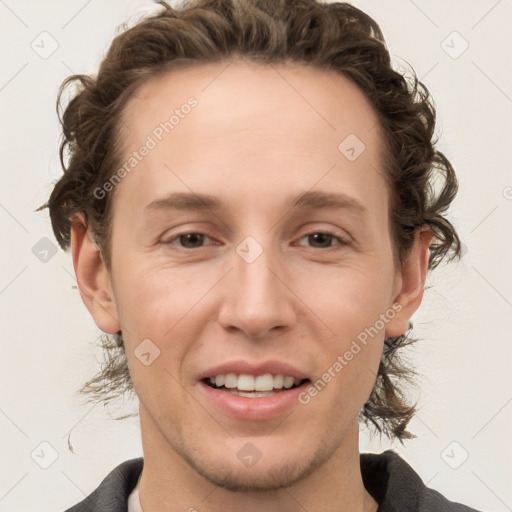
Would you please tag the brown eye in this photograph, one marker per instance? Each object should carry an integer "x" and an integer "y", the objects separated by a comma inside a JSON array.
[
  {"x": 324, "y": 240},
  {"x": 321, "y": 238},
  {"x": 188, "y": 240}
]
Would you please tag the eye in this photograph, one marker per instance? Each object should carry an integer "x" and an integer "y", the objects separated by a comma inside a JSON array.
[
  {"x": 324, "y": 239},
  {"x": 320, "y": 239},
  {"x": 191, "y": 240}
]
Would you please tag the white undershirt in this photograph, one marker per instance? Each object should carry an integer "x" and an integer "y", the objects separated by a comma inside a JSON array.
[{"x": 134, "y": 500}]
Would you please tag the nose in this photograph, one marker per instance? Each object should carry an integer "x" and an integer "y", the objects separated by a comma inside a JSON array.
[{"x": 258, "y": 295}]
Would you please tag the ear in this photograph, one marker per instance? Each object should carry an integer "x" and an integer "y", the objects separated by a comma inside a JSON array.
[
  {"x": 93, "y": 277},
  {"x": 411, "y": 283}
]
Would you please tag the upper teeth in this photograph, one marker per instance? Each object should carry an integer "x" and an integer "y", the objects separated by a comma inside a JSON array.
[{"x": 245, "y": 382}]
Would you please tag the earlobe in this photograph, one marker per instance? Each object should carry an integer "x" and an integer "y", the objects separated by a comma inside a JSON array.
[
  {"x": 412, "y": 278},
  {"x": 93, "y": 277}
]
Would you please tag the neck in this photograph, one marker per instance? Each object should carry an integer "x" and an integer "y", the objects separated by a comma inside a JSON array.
[{"x": 169, "y": 483}]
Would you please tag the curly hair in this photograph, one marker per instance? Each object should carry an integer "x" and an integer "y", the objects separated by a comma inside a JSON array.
[{"x": 334, "y": 36}]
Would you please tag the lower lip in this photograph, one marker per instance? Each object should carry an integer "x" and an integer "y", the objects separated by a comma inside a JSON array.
[{"x": 262, "y": 408}]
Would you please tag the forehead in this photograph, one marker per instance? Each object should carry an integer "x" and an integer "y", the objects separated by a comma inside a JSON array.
[{"x": 273, "y": 127}]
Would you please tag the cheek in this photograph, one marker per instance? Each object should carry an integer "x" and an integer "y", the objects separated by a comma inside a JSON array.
[
  {"x": 350, "y": 299},
  {"x": 354, "y": 306},
  {"x": 164, "y": 306},
  {"x": 151, "y": 299}
]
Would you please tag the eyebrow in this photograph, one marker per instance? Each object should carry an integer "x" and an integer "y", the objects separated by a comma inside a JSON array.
[
  {"x": 185, "y": 201},
  {"x": 315, "y": 200},
  {"x": 311, "y": 200}
]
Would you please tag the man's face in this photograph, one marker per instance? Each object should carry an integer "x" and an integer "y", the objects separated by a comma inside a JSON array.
[{"x": 255, "y": 291}]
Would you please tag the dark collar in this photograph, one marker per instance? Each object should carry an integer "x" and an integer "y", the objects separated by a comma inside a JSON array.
[
  {"x": 386, "y": 476},
  {"x": 398, "y": 488}
]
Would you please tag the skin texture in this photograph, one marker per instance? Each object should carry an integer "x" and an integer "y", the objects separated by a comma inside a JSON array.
[{"x": 259, "y": 136}]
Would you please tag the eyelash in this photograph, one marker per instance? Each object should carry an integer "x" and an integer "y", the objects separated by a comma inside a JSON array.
[{"x": 341, "y": 241}]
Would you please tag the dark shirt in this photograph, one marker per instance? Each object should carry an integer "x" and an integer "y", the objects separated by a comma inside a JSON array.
[{"x": 387, "y": 477}]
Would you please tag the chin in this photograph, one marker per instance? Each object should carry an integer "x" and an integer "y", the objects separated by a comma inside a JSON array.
[
  {"x": 283, "y": 471},
  {"x": 264, "y": 479}
]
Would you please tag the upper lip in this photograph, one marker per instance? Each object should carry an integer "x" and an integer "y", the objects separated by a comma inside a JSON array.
[{"x": 241, "y": 366}]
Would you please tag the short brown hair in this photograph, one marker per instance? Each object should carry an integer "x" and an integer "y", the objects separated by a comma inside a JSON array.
[{"x": 334, "y": 36}]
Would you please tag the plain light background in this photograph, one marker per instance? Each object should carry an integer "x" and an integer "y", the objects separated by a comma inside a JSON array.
[{"x": 463, "y": 448}]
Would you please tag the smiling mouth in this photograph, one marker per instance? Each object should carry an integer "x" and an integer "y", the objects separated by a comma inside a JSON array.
[{"x": 253, "y": 387}]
